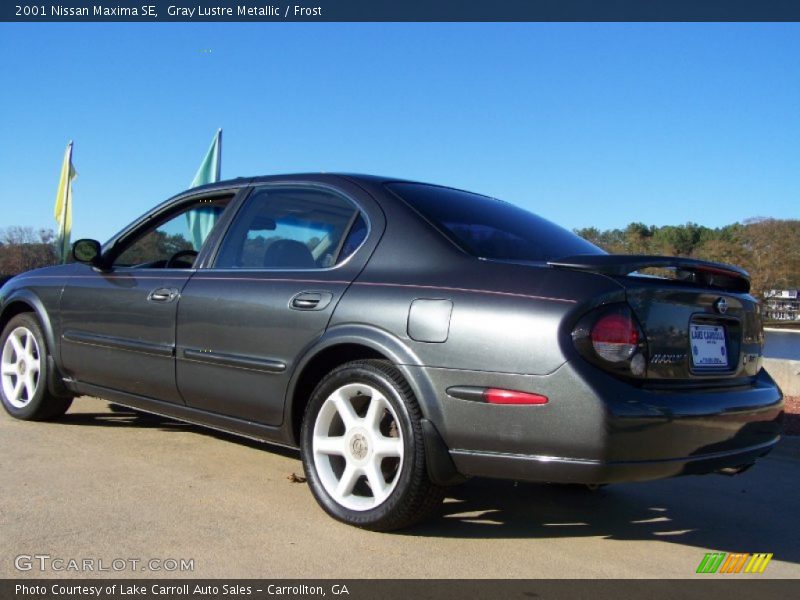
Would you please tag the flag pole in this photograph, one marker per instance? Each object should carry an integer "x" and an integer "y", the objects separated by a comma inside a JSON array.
[{"x": 219, "y": 151}]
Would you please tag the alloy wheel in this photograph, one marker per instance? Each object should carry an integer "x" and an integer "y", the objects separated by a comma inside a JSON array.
[
  {"x": 358, "y": 446},
  {"x": 20, "y": 367}
]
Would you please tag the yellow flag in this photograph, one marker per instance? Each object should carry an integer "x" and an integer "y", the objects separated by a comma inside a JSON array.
[{"x": 63, "y": 208}]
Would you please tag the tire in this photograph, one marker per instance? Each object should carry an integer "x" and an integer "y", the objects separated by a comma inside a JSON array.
[
  {"x": 24, "y": 372},
  {"x": 381, "y": 448}
]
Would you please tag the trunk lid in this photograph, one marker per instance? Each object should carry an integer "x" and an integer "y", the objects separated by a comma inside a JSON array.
[{"x": 701, "y": 325}]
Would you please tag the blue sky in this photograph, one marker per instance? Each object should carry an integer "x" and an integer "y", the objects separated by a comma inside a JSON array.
[{"x": 585, "y": 124}]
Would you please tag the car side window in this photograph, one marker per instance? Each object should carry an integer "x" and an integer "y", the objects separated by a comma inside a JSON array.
[
  {"x": 176, "y": 240},
  {"x": 288, "y": 228},
  {"x": 354, "y": 238}
]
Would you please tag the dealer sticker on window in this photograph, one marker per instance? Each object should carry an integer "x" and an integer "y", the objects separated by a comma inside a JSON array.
[{"x": 708, "y": 346}]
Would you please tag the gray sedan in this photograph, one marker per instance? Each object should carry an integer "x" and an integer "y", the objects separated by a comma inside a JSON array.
[{"x": 404, "y": 336}]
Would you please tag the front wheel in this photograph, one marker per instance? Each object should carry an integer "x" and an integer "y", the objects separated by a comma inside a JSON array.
[
  {"x": 363, "y": 451},
  {"x": 24, "y": 372}
]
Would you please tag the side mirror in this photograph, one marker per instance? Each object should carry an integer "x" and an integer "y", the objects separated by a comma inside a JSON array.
[{"x": 86, "y": 251}]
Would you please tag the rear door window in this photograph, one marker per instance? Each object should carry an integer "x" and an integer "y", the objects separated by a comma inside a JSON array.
[{"x": 288, "y": 228}]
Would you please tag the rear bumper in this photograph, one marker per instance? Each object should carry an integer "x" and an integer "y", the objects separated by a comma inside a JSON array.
[
  {"x": 597, "y": 429},
  {"x": 570, "y": 470}
]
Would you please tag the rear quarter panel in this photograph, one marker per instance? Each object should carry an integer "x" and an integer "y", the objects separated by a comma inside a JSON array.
[{"x": 504, "y": 318}]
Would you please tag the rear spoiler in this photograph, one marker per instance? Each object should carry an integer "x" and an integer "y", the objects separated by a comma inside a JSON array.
[{"x": 689, "y": 270}]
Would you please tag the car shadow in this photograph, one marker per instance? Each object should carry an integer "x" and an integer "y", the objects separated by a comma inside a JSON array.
[
  {"x": 122, "y": 416},
  {"x": 753, "y": 512},
  {"x": 791, "y": 424},
  {"x": 667, "y": 510}
]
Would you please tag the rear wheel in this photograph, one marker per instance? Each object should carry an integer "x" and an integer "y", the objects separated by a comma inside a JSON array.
[
  {"x": 24, "y": 372},
  {"x": 363, "y": 450}
]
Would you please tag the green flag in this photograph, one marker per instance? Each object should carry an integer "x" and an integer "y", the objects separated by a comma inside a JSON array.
[
  {"x": 210, "y": 168},
  {"x": 201, "y": 220},
  {"x": 63, "y": 208}
]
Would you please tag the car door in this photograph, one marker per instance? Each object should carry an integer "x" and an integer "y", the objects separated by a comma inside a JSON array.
[
  {"x": 118, "y": 323},
  {"x": 284, "y": 263}
]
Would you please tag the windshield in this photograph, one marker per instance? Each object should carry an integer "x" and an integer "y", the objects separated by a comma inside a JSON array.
[{"x": 489, "y": 228}]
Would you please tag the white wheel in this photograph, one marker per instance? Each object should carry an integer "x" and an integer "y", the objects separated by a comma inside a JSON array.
[
  {"x": 358, "y": 446},
  {"x": 363, "y": 448},
  {"x": 21, "y": 366},
  {"x": 24, "y": 372}
]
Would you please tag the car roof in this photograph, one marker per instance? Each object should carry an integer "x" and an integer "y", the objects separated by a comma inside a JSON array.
[
  {"x": 318, "y": 176},
  {"x": 332, "y": 176},
  {"x": 321, "y": 176}
]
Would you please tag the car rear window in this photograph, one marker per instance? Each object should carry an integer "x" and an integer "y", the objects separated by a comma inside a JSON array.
[{"x": 490, "y": 228}]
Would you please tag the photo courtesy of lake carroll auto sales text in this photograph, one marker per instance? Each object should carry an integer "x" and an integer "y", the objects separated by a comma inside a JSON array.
[
  {"x": 177, "y": 590},
  {"x": 400, "y": 300}
]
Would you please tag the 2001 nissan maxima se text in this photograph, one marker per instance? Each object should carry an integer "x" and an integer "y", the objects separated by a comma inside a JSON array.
[{"x": 404, "y": 336}]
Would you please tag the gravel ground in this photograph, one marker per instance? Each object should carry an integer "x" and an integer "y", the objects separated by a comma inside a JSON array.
[{"x": 105, "y": 482}]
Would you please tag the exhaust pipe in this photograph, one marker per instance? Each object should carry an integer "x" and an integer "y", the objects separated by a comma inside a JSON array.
[{"x": 731, "y": 471}]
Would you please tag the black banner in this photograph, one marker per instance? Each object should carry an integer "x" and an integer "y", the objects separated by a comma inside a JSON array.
[
  {"x": 731, "y": 588},
  {"x": 399, "y": 10}
]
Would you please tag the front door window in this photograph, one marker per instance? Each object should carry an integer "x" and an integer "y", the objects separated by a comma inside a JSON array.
[{"x": 176, "y": 241}]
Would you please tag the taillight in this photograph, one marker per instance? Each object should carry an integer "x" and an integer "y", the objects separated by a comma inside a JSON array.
[
  {"x": 611, "y": 338},
  {"x": 615, "y": 337}
]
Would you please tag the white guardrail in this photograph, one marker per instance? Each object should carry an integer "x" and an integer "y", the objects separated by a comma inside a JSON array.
[{"x": 786, "y": 374}]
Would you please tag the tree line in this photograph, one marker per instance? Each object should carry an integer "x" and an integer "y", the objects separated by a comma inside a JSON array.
[
  {"x": 23, "y": 249},
  {"x": 768, "y": 248}
]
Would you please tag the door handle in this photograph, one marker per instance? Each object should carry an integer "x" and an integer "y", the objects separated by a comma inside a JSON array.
[
  {"x": 163, "y": 295},
  {"x": 311, "y": 300}
]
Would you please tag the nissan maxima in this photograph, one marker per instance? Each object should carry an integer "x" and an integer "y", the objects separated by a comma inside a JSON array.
[{"x": 404, "y": 336}]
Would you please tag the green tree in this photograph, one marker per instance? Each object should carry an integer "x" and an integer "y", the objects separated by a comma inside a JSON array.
[
  {"x": 769, "y": 249},
  {"x": 23, "y": 249}
]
